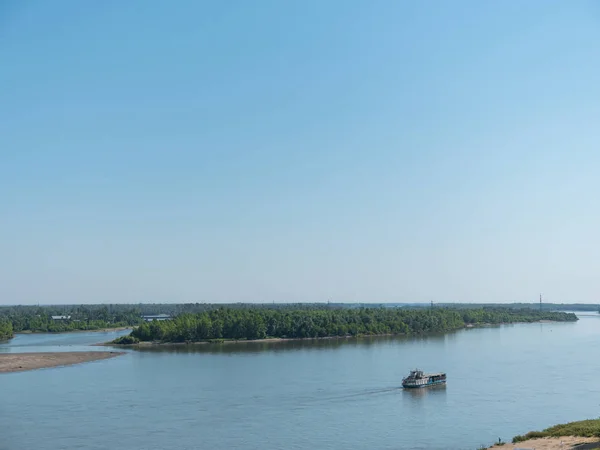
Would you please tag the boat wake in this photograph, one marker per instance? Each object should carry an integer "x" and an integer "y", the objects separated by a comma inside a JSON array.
[{"x": 365, "y": 393}]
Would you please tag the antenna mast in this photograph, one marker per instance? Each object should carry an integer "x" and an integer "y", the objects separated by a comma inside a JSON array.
[{"x": 540, "y": 302}]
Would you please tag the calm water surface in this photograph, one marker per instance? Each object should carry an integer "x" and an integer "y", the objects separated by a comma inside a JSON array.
[
  {"x": 328, "y": 395},
  {"x": 59, "y": 342}
]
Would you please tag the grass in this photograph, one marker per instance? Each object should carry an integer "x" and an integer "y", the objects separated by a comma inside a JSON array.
[{"x": 583, "y": 428}]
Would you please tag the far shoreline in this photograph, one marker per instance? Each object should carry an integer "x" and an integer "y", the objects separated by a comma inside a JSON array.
[
  {"x": 241, "y": 341},
  {"x": 145, "y": 344},
  {"x": 99, "y": 330}
]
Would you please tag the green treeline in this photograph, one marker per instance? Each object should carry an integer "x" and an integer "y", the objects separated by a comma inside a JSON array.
[
  {"x": 38, "y": 318},
  {"x": 68, "y": 318},
  {"x": 544, "y": 306},
  {"x": 199, "y": 321},
  {"x": 6, "y": 330},
  {"x": 261, "y": 323}
]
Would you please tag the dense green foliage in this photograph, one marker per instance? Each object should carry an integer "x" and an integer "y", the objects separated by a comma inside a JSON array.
[
  {"x": 252, "y": 321},
  {"x": 84, "y": 317},
  {"x": 126, "y": 340},
  {"x": 6, "y": 330},
  {"x": 94, "y": 317},
  {"x": 544, "y": 307},
  {"x": 261, "y": 323},
  {"x": 504, "y": 315},
  {"x": 583, "y": 428}
]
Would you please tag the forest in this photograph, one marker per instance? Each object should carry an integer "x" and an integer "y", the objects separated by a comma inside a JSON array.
[
  {"x": 73, "y": 317},
  {"x": 205, "y": 321},
  {"x": 544, "y": 306},
  {"x": 6, "y": 330},
  {"x": 38, "y": 318},
  {"x": 262, "y": 323}
]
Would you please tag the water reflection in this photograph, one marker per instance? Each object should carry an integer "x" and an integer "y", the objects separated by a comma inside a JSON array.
[
  {"x": 422, "y": 392},
  {"x": 275, "y": 345},
  {"x": 258, "y": 347},
  {"x": 59, "y": 342},
  {"x": 431, "y": 391}
]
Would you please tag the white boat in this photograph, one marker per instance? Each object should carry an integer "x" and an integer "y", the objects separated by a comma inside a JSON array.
[{"x": 418, "y": 379}]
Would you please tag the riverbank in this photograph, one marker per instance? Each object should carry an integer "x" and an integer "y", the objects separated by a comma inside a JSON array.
[
  {"x": 279, "y": 339},
  {"x": 552, "y": 443},
  {"x": 20, "y": 362},
  {"x": 236, "y": 341},
  {"x": 583, "y": 435}
]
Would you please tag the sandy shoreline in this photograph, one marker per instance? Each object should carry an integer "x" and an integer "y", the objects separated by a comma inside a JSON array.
[
  {"x": 239, "y": 341},
  {"x": 558, "y": 443},
  {"x": 19, "y": 362}
]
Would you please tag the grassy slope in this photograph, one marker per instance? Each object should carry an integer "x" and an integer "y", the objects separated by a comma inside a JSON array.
[{"x": 583, "y": 428}]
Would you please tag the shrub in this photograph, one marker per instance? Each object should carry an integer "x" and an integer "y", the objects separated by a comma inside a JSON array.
[{"x": 126, "y": 340}]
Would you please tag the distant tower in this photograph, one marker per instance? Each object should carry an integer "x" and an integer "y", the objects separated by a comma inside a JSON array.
[
  {"x": 431, "y": 304},
  {"x": 540, "y": 302}
]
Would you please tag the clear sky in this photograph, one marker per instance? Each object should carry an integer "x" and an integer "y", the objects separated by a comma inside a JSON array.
[{"x": 343, "y": 150}]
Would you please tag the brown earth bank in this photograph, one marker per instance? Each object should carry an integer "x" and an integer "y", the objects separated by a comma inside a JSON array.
[
  {"x": 19, "y": 362},
  {"x": 551, "y": 443}
]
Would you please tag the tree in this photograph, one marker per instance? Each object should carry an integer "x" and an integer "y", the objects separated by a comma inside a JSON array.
[{"x": 6, "y": 330}]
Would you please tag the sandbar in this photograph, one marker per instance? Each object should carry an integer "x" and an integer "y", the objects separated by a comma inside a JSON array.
[{"x": 19, "y": 362}]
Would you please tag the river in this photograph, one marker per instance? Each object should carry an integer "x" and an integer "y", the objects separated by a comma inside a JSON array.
[{"x": 329, "y": 395}]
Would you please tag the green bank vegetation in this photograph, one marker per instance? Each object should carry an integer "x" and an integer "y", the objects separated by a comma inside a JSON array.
[
  {"x": 583, "y": 428},
  {"x": 126, "y": 340},
  {"x": 6, "y": 330},
  {"x": 589, "y": 307},
  {"x": 204, "y": 321},
  {"x": 68, "y": 318},
  {"x": 265, "y": 323}
]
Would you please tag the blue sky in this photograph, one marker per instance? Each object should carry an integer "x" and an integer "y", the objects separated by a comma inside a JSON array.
[{"x": 388, "y": 151}]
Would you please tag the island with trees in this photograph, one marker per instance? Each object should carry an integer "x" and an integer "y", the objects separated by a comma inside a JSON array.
[{"x": 290, "y": 323}]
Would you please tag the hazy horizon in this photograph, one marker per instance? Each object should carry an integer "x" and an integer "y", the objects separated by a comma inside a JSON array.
[
  {"x": 312, "y": 151},
  {"x": 291, "y": 303},
  {"x": 298, "y": 302}
]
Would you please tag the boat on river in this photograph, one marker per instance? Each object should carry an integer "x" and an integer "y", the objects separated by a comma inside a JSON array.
[{"x": 418, "y": 379}]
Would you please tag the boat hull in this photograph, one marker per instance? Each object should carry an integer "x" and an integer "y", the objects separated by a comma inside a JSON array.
[{"x": 421, "y": 386}]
